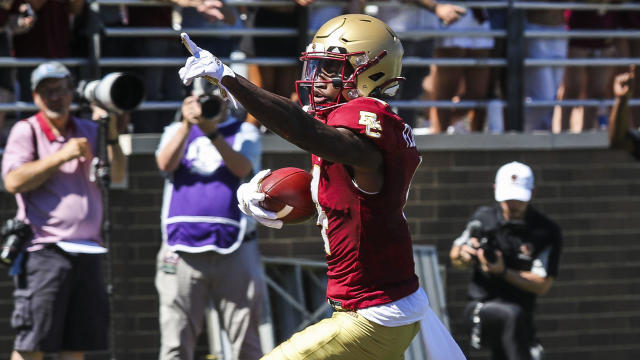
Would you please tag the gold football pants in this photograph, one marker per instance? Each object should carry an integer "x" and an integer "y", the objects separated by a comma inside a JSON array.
[{"x": 346, "y": 335}]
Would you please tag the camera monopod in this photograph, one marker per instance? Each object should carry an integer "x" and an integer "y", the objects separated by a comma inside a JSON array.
[{"x": 114, "y": 94}]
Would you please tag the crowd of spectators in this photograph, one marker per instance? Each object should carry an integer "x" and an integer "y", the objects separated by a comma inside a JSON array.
[{"x": 61, "y": 29}]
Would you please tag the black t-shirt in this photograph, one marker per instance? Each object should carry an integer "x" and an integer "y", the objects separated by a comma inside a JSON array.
[{"x": 533, "y": 244}]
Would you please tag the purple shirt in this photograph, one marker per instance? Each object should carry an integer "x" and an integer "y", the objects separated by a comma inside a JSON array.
[
  {"x": 68, "y": 205},
  {"x": 200, "y": 210}
]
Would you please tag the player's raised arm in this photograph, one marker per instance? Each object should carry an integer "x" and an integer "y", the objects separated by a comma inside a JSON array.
[
  {"x": 292, "y": 123},
  {"x": 282, "y": 116}
]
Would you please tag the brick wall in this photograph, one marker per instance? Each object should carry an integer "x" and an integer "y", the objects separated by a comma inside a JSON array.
[{"x": 593, "y": 193}]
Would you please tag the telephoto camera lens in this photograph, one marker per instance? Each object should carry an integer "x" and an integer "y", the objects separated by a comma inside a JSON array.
[{"x": 116, "y": 91}]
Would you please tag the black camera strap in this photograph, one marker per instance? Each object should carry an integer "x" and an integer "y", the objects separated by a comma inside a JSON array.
[
  {"x": 35, "y": 140},
  {"x": 20, "y": 279}
]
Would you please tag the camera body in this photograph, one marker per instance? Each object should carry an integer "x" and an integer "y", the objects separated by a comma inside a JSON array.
[
  {"x": 488, "y": 237},
  {"x": 487, "y": 241},
  {"x": 14, "y": 234},
  {"x": 209, "y": 97},
  {"x": 211, "y": 105}
]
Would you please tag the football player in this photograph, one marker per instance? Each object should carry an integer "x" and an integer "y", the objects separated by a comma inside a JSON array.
[{"x": 363, "y": 158}]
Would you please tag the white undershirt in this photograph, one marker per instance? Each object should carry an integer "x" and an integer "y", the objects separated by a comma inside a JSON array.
[
  {"x": 407, "y": 310},
  {"x": 81, "y": 247},
  {"x": 438, "y": 342}
]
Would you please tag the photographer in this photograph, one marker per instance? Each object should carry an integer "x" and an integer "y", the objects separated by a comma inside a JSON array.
[
  {"x": 61, "y": 303},
  {"x": 514, "y": 251},
  {"x": 209, "y": 251}
]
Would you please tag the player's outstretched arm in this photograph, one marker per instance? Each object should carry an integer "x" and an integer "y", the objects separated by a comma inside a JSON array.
[
  {"x": 288, "y": 120},
  {"x": 282, "y": 116}
]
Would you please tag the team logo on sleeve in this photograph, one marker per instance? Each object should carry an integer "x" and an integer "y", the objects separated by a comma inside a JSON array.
[
  {"x": 407, "y": 134},
  {"x": 371, "y": 123}
]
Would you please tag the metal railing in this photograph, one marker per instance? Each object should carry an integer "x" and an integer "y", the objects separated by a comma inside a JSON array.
[
  {"x": 510, "y": 5},
  {"x": 298, "y": 287}
]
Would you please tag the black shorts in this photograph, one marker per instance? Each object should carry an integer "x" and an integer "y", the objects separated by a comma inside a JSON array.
[{"x": 60, "y": 303}]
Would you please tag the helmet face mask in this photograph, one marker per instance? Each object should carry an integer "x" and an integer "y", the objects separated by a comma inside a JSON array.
[
  {"x": 325, "y": 77},
  {"x": 356, "y": 54}
]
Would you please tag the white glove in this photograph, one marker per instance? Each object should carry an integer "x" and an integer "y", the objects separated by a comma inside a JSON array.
[
  {"x": 203, "y": 64},
  {"x": 249, "y": 198}
]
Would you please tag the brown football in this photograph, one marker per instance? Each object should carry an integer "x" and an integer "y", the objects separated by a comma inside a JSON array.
[{"x": 288, "y": 193}]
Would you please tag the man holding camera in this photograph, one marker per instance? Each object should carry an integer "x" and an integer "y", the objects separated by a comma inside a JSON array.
[
  {"x": 61, "y": 304},
  {"x": 514, "y": 251},
  {"x": 209, "y": 253}
]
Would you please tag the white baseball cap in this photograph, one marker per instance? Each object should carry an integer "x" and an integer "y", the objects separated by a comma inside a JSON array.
[{"x": 514, "y": 181}]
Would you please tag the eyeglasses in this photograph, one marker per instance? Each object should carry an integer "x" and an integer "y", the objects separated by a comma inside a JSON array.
[{"x": 51, "y": 92}]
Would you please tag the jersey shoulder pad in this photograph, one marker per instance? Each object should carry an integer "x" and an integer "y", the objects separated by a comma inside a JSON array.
[{"x": 365, "y": 116}]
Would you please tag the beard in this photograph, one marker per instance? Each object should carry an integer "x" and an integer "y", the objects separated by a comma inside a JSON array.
[{"x": 55, "y": 115}]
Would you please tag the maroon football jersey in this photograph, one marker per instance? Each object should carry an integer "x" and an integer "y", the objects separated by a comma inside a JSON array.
[{"x": 366, "y": 236}]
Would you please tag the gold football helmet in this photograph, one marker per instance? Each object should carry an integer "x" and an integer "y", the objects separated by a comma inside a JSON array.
[{"x": 355, "y": 52}]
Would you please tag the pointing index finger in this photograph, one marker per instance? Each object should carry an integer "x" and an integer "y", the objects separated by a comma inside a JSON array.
[{"x": 190, "y": 45}]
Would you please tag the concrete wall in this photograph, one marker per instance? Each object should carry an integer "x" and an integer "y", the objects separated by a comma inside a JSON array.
[{"x": 592, "y": 192}]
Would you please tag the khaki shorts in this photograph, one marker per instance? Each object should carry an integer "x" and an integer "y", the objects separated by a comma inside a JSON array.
[{"x": 346, "y": 335}]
